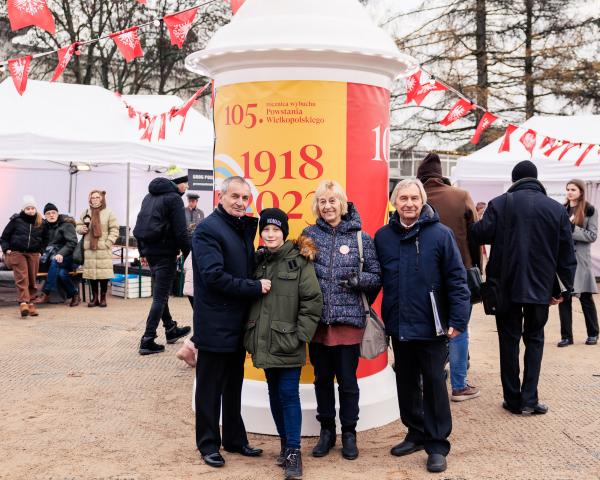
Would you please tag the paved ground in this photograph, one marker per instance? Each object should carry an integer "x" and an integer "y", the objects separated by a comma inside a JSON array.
[{"x": 77, "y": 402}]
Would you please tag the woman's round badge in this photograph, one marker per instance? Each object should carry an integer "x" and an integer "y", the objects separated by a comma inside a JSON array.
[{"x": 344, "y": 249}]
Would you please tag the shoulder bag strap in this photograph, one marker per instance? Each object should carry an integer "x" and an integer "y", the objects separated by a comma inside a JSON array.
[{"x": 360, "y": 269}]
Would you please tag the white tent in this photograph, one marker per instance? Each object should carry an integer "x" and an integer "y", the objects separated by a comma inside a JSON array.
[
  {"x": 486, "y": 173},
  {"x": 55, "y": 126}
]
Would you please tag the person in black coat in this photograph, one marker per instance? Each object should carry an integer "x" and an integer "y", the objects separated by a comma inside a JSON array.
[
  {"x": 161, "y": 233},
  {"x": 223, "y": 264},
  {"x": 426, "y": 301},
  {"x": 533, "y": 262}
]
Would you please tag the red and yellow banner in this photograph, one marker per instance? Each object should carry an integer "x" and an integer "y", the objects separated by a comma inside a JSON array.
[{"x": 285, "y": 137}]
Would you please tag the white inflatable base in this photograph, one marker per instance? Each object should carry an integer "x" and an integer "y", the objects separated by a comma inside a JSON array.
[{"x": 378, "y": 404}]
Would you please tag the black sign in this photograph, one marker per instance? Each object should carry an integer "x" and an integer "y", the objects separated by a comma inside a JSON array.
[{"x": 201, "y": 180}]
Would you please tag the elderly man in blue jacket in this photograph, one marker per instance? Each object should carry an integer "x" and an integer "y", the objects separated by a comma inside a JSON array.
[
  {"x": 425, "y": 302},
  {"x": 223, "y": 264}
]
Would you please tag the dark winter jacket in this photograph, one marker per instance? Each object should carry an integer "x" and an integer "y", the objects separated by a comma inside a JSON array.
[
  {"x": 223, "y": 265},
  {"x": 160, "y": 229},
  {"x": 415, "y": 262},
  {"x": 540, "y": 243},
  {"x": 282, "y": 322},
  {"x": 342, "y": 305},
  {"x": 61, "y": 235},
  {"x": 21, "y": 235}
]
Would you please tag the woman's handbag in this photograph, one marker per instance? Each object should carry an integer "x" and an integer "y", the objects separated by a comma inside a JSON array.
[
  {"x": 374, "y": 341},
  {"x": 78, "y": 253}
]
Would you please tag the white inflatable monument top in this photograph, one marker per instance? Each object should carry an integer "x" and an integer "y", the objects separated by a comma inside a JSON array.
[{"x": 309, "y": 39}]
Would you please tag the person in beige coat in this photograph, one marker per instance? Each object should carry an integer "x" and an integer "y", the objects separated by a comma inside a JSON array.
[{"x": 100, "y": 228}]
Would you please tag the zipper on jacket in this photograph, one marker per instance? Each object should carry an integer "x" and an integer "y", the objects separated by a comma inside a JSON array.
[
  {"x": 331, "y": 272},
  {"x": 29, "y": 237},
  {"x": 417, "y": 257}
]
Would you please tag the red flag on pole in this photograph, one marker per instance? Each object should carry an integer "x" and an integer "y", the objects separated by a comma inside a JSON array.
[
  {"x": 505, "y": 145},
  {"x": 143, "y": 2},
  {"x": 487, "y": 119},
  {"x": 426, "y": 88},
  {"x": 183, "y": 111},
  {"x": 583, "y": 155},
  {"x": 148, "y": 132},
  {"x": 128, "y": 43},
  {"x": 235, "y": 5},
  {"x": 459, "y": 110},
  {"x": 413, "y": 83},
  {"x": 64, "y": 57},
  {"x": 24, "y": 13},
  {"x": 179, "y": 24},
  {"x": 529, "y": 140},
  {"x": 19, "y": 70}
]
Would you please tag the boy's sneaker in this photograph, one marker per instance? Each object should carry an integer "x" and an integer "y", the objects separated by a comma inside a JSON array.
[
  {"x": 175, "y": 333},
  {"x": 466, "y": 393},
  {"x": 148, "y": 346}
]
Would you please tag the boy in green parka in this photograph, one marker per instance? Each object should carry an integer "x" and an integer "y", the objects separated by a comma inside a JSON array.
[{"x": 280, "y": 324}]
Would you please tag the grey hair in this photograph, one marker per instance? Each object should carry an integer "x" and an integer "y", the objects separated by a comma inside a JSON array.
[
  {"x": 405, "y": 184},
  {"x": 225, "y": 184}
]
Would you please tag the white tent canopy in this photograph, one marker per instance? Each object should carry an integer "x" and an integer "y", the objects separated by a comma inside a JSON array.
[
  {"x": 54, "y": 125},
  {"x": 487, "y": 173}
]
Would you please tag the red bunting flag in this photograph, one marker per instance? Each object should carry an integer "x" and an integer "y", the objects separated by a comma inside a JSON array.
[
  {"x": 548, "y": 141},
  {"x": 235, "y": 5},
  {"x": 24, "y": 13},
  {"x": 583, "y": 155},
  {"x": 554, "y": 146},
  {"x": 148, "y": 132},
  {"x": 183, "y": 111},
  {"x": 19, "y": 70},
  {"x": 413, "y": 83},
  {"x": 505, "y": 145},
  {"x": 529, "y": 140},
  {"x": 567, "y": 148},
  {"x": 128, "y": 43},
  {"x": 142, "y": 2},
  {"x": 142, "y": 117},
  {"x": 487, "y": 119},
  {"x": 162, "y": 133},
  {"x": 179, "y": 24},
  {"x": 212, "y": 95},
  {"x": 426, "y": 89},
  {"x": 459, "y": 110},
  {"x": 64, "y": 57},
  {"x": 130, "y": 111}
]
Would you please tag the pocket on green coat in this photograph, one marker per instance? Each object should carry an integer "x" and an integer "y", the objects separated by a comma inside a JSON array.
[{"x": 284, "y": 339}]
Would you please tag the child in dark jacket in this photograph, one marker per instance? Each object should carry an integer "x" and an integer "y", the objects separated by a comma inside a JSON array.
[{"x": 280, "y": 325}]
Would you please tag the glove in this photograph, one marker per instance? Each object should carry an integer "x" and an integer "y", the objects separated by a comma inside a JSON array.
[{"x": 350, "y": 282}]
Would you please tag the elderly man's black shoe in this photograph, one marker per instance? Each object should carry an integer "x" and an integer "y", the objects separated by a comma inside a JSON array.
[
  {"x": 538, "y": 409},
  {"x": 511, "y": 409},
  {"x": 214, "y": 460},
  {"x": 326, "y": 442},
  {"x": 406, "y": 448},
  {"x": 246, "y": 451},
  {"x": 436, "y": 462}
]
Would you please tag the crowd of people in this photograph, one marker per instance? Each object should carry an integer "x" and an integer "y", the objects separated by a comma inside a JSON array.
[{"x": 293, "y": 295}]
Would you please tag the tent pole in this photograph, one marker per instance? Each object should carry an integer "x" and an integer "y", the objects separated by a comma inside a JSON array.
[{"x": 127, "y": 232}]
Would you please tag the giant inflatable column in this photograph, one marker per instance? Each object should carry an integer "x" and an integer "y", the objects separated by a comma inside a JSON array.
[{"x": 302, "y": 95}]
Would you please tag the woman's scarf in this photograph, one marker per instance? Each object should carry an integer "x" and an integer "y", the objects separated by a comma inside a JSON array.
[{"x": 95, "y": 225}]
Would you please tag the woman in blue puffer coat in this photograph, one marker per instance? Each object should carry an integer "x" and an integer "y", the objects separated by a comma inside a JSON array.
[{"x": 335, "y": 348}]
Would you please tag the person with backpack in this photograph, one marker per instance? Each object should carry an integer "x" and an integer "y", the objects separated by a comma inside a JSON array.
[{"x": 161, "y": 233}]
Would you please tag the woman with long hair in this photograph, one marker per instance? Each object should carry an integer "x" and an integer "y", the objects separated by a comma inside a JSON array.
[
  {"x": 23, "y": 239},
  {"x": 100, "y": 227},
  {"x": 584, "y": 220}
]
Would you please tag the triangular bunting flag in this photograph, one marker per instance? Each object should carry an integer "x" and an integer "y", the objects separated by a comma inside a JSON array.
[
  {"x": 130, "y": 111},
  {"x": 148, "y": 132},
  {"x": 554, "y": 146},
  {"x": 179, "y": 25},
  {"x": 64, "y": 56},
  {"x": 505, "y": 145},
  {"x": 19, "y": 70},
  {"x": 487, "y": 119},
  {"x": 128, "y": 43},
  {"x": 235, "y": 5},
  {"x": 413, "y": 83},
  {"x": 162, "y": 133},
  {"x": 567, "y": 148},
  {"x": 459, "y": 110},
  {"x": 426, "y": 88},
  {"x": 548, "y": 141},
  {"x": 583, "y": 155},
  {"x": 24, "y": 13},
  {"x": 183, "y": 111},
  {"x": 528, "y": 139}
]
